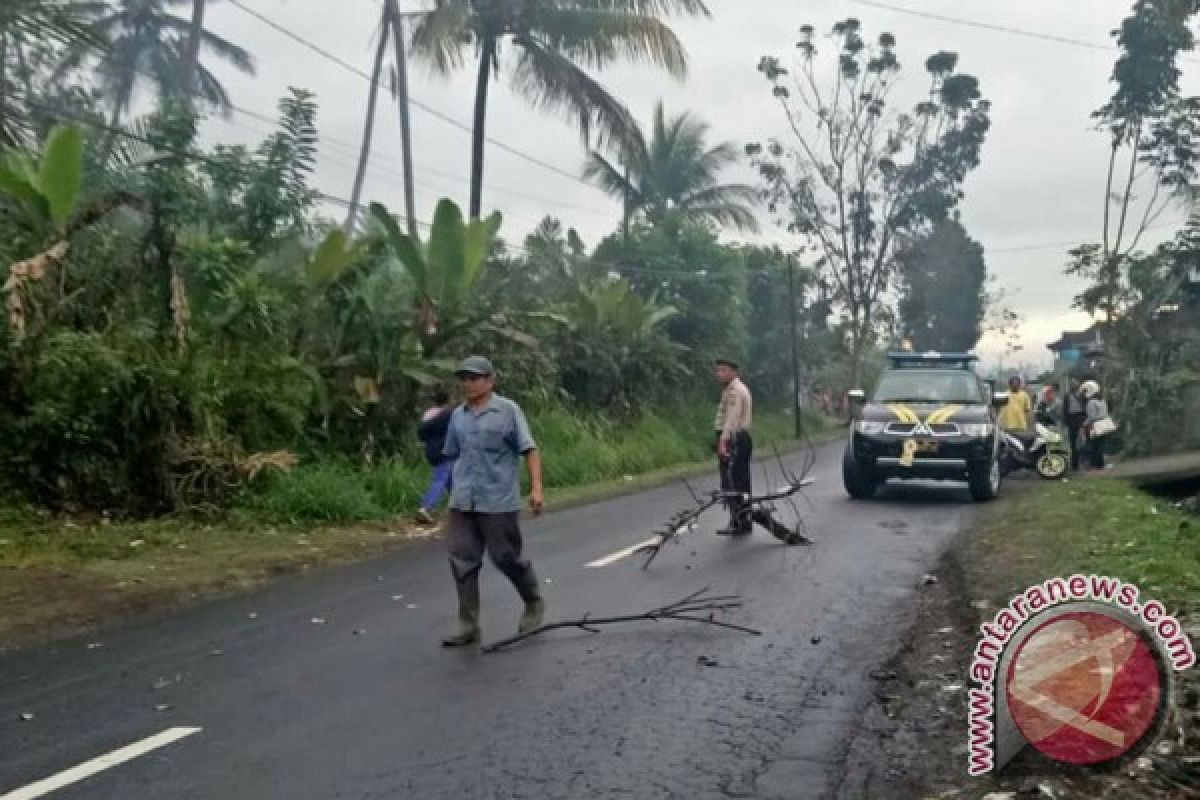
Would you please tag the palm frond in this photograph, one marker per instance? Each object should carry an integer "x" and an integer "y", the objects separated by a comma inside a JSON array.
[
  {"x": 717, "y": 158},
  {"x": 238, "y": 56},
  {"x": 732, "y": 213},
  {"x": 61, "y": 21},
  {"x": 438, "y": 38},
  {"x": 600, "y": 171},
  {"x": 659, "y": 8},
  {"x": 552, "y": 82},
  {"x": 600, "y": 38},
  {"x": 211, "y": 89}
]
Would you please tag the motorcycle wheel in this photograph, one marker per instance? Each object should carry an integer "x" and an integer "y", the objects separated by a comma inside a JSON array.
[{"x": 1052, "y": 466}]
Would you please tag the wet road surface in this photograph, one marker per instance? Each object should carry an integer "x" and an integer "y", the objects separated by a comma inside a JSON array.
[{"x": 289, "y": 708}]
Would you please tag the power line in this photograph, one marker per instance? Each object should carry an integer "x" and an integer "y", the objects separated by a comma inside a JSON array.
[
  {"x": 417, "y": 103},
  {"x": 1075, "y": 242},
  {"x": 988, "y": 26}
]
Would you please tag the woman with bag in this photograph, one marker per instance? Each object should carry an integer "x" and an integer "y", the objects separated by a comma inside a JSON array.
[{"x": 1097, "y": 425}]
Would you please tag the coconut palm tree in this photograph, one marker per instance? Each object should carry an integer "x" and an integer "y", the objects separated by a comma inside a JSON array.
[
  {"x": 676, "y": 174},
  {"x": 146, "y": 41},
  {"x": 191, "y": 56},
  {"x": 555, "y": 40}
]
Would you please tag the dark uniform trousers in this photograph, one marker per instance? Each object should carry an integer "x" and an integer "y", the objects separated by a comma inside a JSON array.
[{"x": 735, "y": 477}]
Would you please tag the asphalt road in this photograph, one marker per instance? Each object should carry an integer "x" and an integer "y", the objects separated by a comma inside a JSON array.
[{"x": 290, "y": 708}]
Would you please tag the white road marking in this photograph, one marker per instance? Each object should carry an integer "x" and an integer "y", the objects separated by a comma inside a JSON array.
[
  {"x": 99, "y": 764},
  {"x": 604, "y": 562}
]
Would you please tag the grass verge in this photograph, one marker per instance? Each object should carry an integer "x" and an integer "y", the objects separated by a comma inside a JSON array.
[
  {"x": 1102, "y": 526},
  {"x": 59, "y": 575}
]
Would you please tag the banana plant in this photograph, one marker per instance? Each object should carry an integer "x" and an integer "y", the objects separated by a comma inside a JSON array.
[
  {"x": 46, "y": 194},
  {"x": 333, "y": 256},
  {"x": 444, "y": 270}
]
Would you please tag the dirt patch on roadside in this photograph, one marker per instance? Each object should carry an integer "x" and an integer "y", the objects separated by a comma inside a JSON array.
[
  {"x": 44, "y": 602},
  {"x": 912, "y": 740}
]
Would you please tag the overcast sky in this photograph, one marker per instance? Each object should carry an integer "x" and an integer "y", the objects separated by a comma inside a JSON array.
[{"x": 1040, "y": 186}]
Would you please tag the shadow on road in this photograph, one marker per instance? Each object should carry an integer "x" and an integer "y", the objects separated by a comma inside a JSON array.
[{"x": 925, "y": 493}]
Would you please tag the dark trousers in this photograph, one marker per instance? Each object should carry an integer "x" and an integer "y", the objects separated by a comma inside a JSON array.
[
  {"x": 470, "y": 534},
  {"x": 1096, "y": 452},
  {"x": 735, "y": 477},
  {"x": 1074, "y": 426}
]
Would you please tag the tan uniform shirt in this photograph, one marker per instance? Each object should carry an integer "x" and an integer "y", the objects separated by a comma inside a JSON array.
[{"x": 735, "y": 411}]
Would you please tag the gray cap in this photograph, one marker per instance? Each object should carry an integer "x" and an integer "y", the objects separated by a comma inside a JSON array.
[{"x": 475, "y": 365}]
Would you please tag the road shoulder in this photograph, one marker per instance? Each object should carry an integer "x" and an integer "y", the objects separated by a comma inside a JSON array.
[{"x": 912, "y": 740}]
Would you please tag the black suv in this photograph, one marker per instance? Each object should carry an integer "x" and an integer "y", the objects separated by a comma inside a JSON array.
[{"x": 930, "y": 417}]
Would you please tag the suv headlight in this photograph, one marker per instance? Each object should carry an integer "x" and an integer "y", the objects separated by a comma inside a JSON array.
[
  {"x": 976, "y": 429},
  {"x": 869, "y": 427}
]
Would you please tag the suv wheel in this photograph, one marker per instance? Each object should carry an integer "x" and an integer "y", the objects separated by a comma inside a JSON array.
[
  {"x": 984, "y": 481},
  {"x": 860, "y": 481}
]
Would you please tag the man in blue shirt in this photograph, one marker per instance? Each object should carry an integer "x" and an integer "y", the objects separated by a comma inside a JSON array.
[{"x": 486, "y": 438}]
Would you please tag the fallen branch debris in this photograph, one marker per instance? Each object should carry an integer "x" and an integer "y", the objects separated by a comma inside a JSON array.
[
  {"x": 760, "y": 507},
  {"x": 696, "y": 607}
]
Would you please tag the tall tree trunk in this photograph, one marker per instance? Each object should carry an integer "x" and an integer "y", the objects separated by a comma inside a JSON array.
[
  {"x": 4, "y": 115},
  {"x": 393, "y": 11},
  {"x": 478, "y": 136},
  {"x": 625, "y": 207},
  {"x": 368, "y": 129},
  {"x": 191, "y": 61}
]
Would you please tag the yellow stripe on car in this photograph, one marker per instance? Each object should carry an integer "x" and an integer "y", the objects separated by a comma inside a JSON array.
[
  {"x": 942, "y": 415},
  {"x": 904, "y": 413}
]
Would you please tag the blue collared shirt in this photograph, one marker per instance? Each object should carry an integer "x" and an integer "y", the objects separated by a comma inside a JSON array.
[{"x": 486, "y": 447}]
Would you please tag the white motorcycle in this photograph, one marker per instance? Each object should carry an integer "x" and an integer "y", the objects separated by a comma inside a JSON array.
[{"x": 1046, "y": 453}]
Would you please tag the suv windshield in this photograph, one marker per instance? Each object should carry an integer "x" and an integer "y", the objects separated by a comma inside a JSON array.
[{"x": 929, "y": 386}]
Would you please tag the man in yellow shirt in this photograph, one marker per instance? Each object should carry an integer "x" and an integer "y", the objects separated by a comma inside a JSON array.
[{"x": 1015, "y": 416}]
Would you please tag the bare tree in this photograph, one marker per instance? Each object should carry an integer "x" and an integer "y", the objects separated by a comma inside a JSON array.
[
  {"x": 1154, "y": 141},
  {"x": 852, "y": 175}
]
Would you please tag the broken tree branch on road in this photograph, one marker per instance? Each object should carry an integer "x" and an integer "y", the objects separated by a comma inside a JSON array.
[
  {"x": 696, "y": 607},
  {"x": 761, "y": 507}
]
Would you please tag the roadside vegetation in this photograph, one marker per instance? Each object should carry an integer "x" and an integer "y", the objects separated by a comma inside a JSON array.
[{"x": 1092, "y": 526}]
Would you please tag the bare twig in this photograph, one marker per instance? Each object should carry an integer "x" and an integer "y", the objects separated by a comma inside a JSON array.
[{"x": 685, "y": 610}]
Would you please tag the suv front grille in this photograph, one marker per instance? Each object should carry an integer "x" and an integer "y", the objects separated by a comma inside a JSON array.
[{"x": 907, "y": 429}]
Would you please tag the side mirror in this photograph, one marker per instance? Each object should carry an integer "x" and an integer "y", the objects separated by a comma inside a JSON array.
[
  {"x": 857, "y": 396},
  {"x": 999, "y": 399}
]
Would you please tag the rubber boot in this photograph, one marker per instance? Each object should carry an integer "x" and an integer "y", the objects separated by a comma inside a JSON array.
[
  {"x": 468, "y": 613},
  {"x": 739, "y": 520},
  {"x": 535, "y": 606}
]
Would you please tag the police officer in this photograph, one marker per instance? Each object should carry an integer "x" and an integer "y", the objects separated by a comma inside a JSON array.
[{"x": 735, "y": 447}]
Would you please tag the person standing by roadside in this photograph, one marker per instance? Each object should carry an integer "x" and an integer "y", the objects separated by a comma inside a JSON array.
[
  {"x": 1097, "y": 425},
  {"x": 1074, "y": 415},
  {"x": 735, "y": 447},
  {"x": 1050, "y": 405},
  {"x": 432, "y": 433},
  {"x": 1016, "y": 415},
  {"x": 486, "y": 438}
]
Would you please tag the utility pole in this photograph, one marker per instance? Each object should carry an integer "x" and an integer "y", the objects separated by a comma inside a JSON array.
[{"x": 791, "y": 279}]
